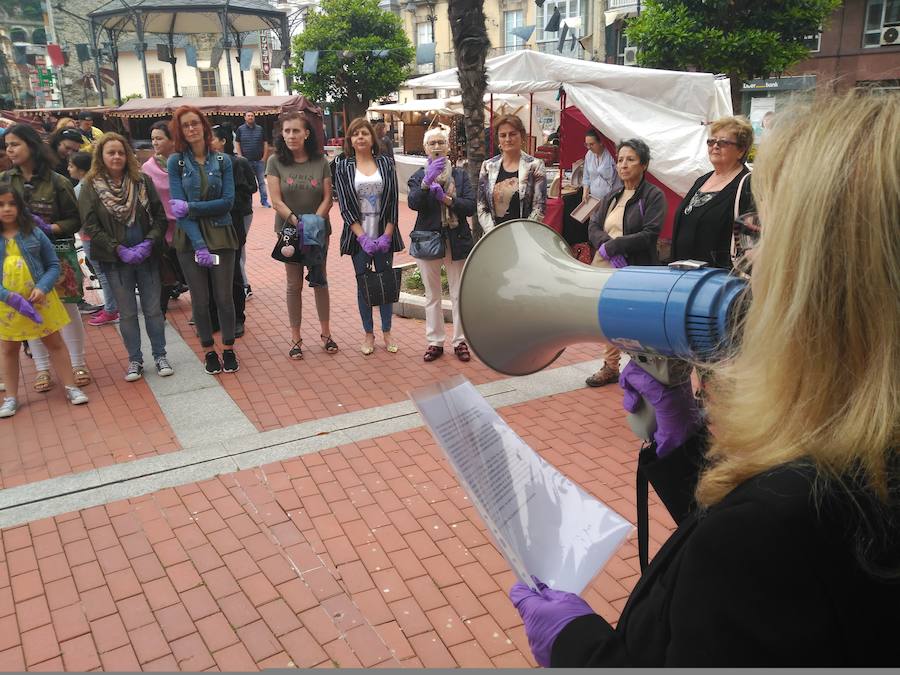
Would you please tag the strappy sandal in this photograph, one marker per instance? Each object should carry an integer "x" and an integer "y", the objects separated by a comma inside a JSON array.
[
  {"x": 43, "y": 382},
  {"x": 462, "y": 352},
  {"x": 296, "y": 352},
  {"x": 329, "y": 345},
  {"x": 82, "y": 376},
  {"x": 390, "y": 345},
  {"x": 433, "y": 353}
]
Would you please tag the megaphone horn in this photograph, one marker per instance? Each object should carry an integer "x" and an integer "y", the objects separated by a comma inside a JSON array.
[{"x": 523, "y": 298}]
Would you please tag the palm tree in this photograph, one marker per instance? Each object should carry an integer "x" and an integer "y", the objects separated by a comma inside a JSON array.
[{"x": 470, "y": 42}]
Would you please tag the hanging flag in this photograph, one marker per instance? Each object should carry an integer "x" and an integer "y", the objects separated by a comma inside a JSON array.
[
  {"x": 56, "y": 55},
  {"x": 311, "y": 62},
  {"x": 84, "y": 54},
  {"x": 572, "y": 41},
  {"x": 215, "y": 56},
  {"x": 539, "y": 3},
  {"x": 246, "y": 58},
  {"x": 553, "y": 24},
  {"x": 523, "y": 32},
  {"x": 190, "y": 55},
  {"x": 564, "y": 31},
  {"x": 425, "y": 53}
]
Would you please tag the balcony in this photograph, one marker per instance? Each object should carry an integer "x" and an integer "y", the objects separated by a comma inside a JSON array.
[
  {"x": 193, "y": 90},
  {"x": 623, "y": 4}
]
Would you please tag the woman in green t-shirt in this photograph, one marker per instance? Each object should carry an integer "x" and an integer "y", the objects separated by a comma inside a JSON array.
[{"x": 299, "y": 182}]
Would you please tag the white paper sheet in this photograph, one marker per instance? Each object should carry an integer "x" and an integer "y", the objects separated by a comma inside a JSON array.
[{"x": 544, "y": 524}]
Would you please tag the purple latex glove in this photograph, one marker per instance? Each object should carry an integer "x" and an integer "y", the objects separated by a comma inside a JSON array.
[
  {"x": 437, "y": 192},
  {"x": 677, "y": 415},
  {"x": 545, "y": 613},
  {"x": 129, "y": 256},
  {"x": 367, "y": 244},
  {"x": 144, "y": 249},
  {"x": 383, "y": 243},
  {"x": 433, "y": 170},
  {"x": 617, "y": 261},
  {"x": 43, "y": 224},
  {"x": 204, "y": 258},
  {"x": 179, "y": 207},
  {"x": 23, "y": 307}
]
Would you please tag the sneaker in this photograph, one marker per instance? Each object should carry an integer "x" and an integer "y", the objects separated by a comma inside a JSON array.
[
  {"x": 76, "y": 396},
  {"x": 213, "y": 365},
  {"x": 163, "y": 368},
  {"x": 603, "y": 377},
  {"x": 239, "y": 330},
  {"x": 103, "y": 317},
  {"x": 248, "y": 292},
  {"x": 229, "y": 361},
  {"x": 135, "y": 371},
  {"x": 9, "y": 407},
  {"x": 88, "y": 308}
]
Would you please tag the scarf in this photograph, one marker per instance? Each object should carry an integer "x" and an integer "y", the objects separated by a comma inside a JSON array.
[
  {"x": 445, "y": 180},
  {"x": 121, "y": 200}
]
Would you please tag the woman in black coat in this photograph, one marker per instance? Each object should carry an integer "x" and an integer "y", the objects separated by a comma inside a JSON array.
[{"x": 792, "y": 556}]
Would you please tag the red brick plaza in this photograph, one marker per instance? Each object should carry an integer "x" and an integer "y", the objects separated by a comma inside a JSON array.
[{"x": 291, "y": 514}]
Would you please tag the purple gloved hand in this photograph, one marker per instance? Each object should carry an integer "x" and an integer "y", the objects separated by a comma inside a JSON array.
[
  {"x": 204, "y": 257},
  {"x": 367, "y": 244},
  {"x": 179, "y": 207},
  {"x": 23, "y": 307},
  {"x": 43, "y": 224},
  {"x": 383, "y": 243},
  {"x": 677, "y": 415},
  {"x": 129, "y": 255},
  {"x": 433, "y": 170},
  {"x": 437, "y": 192},
  {"x": 545, "y": 613},
  {"x": 144, "y": 249},
  {"x": 617, "y": 261}
]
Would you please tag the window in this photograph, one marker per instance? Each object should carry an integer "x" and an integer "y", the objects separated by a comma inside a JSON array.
[
  {"x": 621, "y": 43},
  {"x": 512, "y": 20},
  {"x": 424, "y": 33},
  {"x": 18, "y": 35},
  {"x": 209, "y": 83},
  {"x": 260, "y": 91},
  {"x": 879, "y": 13},
  {"x": 813, "y": 42},
  {"x": 155, "y": 82},
  {"x": 568, "y": 9}
]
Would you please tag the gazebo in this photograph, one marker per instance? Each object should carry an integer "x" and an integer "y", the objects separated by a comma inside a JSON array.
[{"x": 230, "y": 18}]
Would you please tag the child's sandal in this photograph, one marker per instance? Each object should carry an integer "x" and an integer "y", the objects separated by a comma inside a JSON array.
[
  {"x": 296, "y": 352},
  {"x": 329, "y": 345},
  {"x": 43, "y": 382},
  {"x": 82, "y": 376}
]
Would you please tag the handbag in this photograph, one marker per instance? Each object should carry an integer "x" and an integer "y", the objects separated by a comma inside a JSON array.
[
  {"x": 287, "y": 247},
  {"x": 379, "y": 288},
  {"x": 426, "y": 244},
  {"x": 69, "y": 285},
  {"x": 461, "y": 241},
  {"x": 583, "y": 252}
]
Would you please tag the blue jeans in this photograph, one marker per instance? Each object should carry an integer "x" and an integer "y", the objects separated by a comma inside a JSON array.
[
  {"x": 109, "y": 300},
  {"x": 383, "y": 261},
  {"x": 259, "y": 168},
  {"x": 123, "y": 279}
]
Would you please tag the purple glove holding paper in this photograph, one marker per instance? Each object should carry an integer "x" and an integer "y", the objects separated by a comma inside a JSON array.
[
  {"x": 617, "y": 261},
  {"x": 179, "y": 207},
  {"x": 437, "y": 192},
  {"x": 369, "y": 245},
  {"x": 677, "y": 415},
  {"x": 43, "y": 224},
  {"x": 433, "y": 170},
  {"x": 204, "y": 257},
  {"x": 23, "y": 307},
  {"x": 545, "y": 613}
]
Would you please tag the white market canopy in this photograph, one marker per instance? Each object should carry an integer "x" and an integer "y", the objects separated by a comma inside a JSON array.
[{"x": 667, "y": 109}]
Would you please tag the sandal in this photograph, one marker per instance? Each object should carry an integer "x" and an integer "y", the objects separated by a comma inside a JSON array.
[
  {"x": 462, "y": 352},
  {"x": 43, "y": 382},
  {"x": 329, "y": 345},
  {"x": 296, "y": 352},
  {"x": 433, "y": 353},
  {"x": 82, "y": 376},
  {"x": 367, "y": 349},
  {"x": 390, "y": 345}
]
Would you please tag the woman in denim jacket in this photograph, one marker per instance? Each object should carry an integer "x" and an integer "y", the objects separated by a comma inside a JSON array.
[{"x": 201, "y": 183}]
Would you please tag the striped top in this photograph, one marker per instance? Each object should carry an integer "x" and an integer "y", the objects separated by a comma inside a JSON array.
[{"x": 345, "y": 184}]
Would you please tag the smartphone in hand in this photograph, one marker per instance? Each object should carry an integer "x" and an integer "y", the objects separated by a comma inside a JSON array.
[{"x": 214, "y": 256}]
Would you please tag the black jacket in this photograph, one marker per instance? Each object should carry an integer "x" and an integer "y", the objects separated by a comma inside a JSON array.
[
  {"x": 708, "y": 238},
  {"x": 344, "y": 171},
  {"x": 428, "y": 211},
  {"x": 766, "y": 577},
  {"x": 643, "y": 219},
  {"x": 244, "y": 185}
]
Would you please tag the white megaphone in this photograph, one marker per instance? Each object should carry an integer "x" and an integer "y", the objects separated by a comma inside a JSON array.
[{"x": 524, "y": 298}]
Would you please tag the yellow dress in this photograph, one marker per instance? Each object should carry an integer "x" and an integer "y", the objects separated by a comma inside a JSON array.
[{"x": 17, "y": 278}]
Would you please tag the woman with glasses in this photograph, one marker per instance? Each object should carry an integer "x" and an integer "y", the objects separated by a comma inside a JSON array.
[
  {"x": 52, "y": 198},
  {"x": 201, "y": 184},
  {"x": 704, "y": 221}
]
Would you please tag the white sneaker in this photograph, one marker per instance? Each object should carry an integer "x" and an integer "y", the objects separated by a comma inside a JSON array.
[
  {"x": 76, "y": 396},
  {"x": 163, "y": 368},
  {"x": 9, "y": 407},
  {"x": 135, "y": 371}
]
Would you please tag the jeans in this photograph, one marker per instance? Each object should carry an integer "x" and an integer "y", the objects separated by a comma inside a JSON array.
[
  {"x": 248, "y": 220},
  {"x": 259, "y": 168},
  {"x": 222, "y": 276},
  {"x": 122, "y": 281},
  {"x": 109, "y": 300},
  {"x": 383, "y": 261}
]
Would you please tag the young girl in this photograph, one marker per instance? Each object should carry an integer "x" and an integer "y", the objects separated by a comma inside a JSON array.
[{"x": 29, "y": 306}]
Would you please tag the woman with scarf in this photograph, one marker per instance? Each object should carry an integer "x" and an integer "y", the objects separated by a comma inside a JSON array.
[
  {"x": 444, "y": 198},
  {"x": 125, "y": 219}
]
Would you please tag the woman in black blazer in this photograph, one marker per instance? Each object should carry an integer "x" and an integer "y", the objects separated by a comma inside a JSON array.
[
  {"x": 792, "y": 556},
  {"x": 366, "y": 185}
]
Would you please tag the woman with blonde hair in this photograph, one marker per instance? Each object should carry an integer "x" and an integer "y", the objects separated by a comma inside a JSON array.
[{"x": 793, "y": 556}]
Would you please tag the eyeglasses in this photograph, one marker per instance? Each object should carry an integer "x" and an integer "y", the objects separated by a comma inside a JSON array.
[
  {"x": 437, "y": 142},
  {"x": 719, "y": 142},
  {"x": 191, "y": 124}
]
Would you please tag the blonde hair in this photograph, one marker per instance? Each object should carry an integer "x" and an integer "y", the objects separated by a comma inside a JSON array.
[
  {"x": 63, "y": 123},
  {"x": 739, "y": 126},
  {"x": 98, "y": 168},
  {"x": 816, "y": 374}
]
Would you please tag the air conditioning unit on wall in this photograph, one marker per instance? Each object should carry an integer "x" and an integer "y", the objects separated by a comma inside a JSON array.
[
  {"x": 890, "y": 35},
  {"x": 631, "y": 56}
]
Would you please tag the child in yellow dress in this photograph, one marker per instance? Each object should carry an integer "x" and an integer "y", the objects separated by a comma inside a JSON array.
[{"x": 29, "y": 307}]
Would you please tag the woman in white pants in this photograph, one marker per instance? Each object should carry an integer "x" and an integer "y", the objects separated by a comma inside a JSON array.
[{"x": 444, "y": 198}]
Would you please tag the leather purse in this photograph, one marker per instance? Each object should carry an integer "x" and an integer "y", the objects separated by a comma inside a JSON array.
[
  {"x": 426, "y": 244},
  {"x": 379, "y": 288}
]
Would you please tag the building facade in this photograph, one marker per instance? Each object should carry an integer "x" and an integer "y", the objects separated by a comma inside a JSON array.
[{"x": 27, "y": 78}]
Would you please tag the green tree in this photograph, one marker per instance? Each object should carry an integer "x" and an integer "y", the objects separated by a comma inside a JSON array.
[
  {"x": 349, "y": 34},
  {"x": 744, "y": 39}
]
